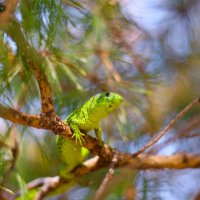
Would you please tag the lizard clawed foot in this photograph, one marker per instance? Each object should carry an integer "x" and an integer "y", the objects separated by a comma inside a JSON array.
[{"x": 79, "y": 137}]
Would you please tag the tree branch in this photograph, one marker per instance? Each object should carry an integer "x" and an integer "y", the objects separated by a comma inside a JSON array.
[
  {"x": 99, "y": 193},
  {"x": 177, "y": 161},
  {"x": 51, "y": 184},
  {"x": 35, "y": 62},
  {"x": 19, "y": 117},
  {"x": 51, "y": 121}
]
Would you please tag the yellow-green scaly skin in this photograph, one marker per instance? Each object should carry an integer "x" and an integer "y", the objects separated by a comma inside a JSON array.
[{"x": 81, "y": 121}]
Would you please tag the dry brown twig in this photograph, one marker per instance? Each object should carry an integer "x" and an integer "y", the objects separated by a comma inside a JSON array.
[
  {"x": 169, "y": 126},
  {"x": 99, "y": 193},
  {"x": 160, "y": 146},
  {"x": 185, "y": 131},
  {"x": 104, "y": 56},
  {"x": 51, "y": 184},
  {"x": 45, "y": 185}
]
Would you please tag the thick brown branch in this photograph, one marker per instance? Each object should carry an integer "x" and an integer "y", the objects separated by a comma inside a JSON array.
[
  {"x": 19, "y": 117},
  {"x": 52, "y": 122},
  {"x": 35, "y": 62},
  {"x": 177, "y": 161}
]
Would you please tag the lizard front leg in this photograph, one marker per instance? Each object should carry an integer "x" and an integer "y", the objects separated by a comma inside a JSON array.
[{"x": 77, "y": 133}]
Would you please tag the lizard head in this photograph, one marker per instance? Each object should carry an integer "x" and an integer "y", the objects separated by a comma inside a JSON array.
[{"x": 104, "y": 103}]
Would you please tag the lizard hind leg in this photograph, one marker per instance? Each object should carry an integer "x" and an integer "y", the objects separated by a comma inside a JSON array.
[{"x": 98, "y": 132}]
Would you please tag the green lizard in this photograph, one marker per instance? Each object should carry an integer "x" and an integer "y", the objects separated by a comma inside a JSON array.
[{"x": 81, "y": 121}]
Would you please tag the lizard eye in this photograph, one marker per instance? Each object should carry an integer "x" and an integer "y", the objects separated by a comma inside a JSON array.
[
  {"x": 107, "y": 94},
  {"x": 2, "y": 7}
]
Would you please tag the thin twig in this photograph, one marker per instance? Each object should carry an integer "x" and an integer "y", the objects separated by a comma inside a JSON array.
[
  {"x": 46, "y": 185},
  {"x": 184, "y": 131},
  {"x": 170, "y": 125},
  {"x": 159, "y": 147},
  {"x": 107, "y": 178},
  {"x": 50, "y": 185},
  {"x": 38, "y": 182},
  {"x": 104, "y": 56}
]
